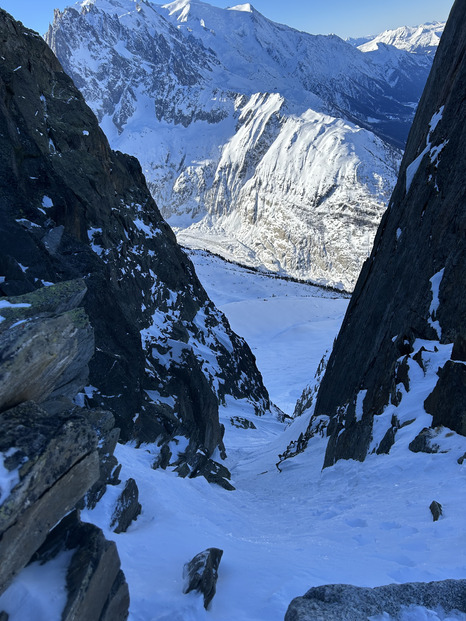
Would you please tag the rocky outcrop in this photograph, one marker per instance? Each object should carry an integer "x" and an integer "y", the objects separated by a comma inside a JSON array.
[
  {"x": 407, "y": 316},
  {"x": 127, "y": 507},
  {"x": 54, "y": 455},
  {"x": 70, "y": 208},
  {"x": 201, "y": 574},
  {"x": 97, "y": 590},
  {"x": 45, "y": 345},
  {"x": 51, "y": 462},
  {"x": 343, "y": 602}
]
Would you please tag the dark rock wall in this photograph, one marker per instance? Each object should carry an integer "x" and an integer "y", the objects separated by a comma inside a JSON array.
[
  {"x": 422, "y": 233},
  {"x": 70, "y": 207},
  {"x": 54, "y": 455}
]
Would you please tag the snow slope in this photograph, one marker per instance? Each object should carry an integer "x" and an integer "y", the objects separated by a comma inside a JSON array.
[
  {"x": 259, "y": 142},
  {"x": 360, "y": 523},
  {"x": 423, "y": 39}
]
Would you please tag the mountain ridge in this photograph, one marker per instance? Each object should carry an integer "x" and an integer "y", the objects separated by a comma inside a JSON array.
[{"x": 231, "y": 135}]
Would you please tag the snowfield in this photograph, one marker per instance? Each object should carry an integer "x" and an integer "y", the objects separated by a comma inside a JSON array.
[{"x": 365, "y": 524}]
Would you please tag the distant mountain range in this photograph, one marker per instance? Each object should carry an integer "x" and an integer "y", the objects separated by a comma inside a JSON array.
[{"x": 273, "y": 147}]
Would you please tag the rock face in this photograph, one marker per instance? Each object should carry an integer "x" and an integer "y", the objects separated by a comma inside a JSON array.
[
  {"x": 95, "y": 584},
  {"x": 407, "y": 316},
  {"x": 343, "y": 602},
  {"x": 53, "y": 454},
  {"x": 72, "y": 208},
  {"x": 44, "y": 354},
  {"x": 288, "y": 167},
  {"x": 51, "y": 463}
]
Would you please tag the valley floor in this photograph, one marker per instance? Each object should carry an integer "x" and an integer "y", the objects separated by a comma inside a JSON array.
[{"x": 365, "y": 524}]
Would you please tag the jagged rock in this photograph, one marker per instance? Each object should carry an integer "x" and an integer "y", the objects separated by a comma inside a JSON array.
[
  {"x": 343, "y": 602},
  {"x": 423, "y": 442},
  {"x": 201, "y": 574},
  {"x": 92, "y": 574},
  {"x": 45, "y": 345},
  {"x": 163, "y": 458},
  {"x": 4, "y": 616},
  {"x": 462, "y": 459},
  {"x": 410, "y": 289},
  {"x": 52, "y": 462},
  {"x": 436, "y": 510},
  {"x": 242, "y": 423},
  {"x": 127, "y": 507},
  {"x": 446, "y": 401},
  {"x": 69, "y": 208},
  {"x": 103, "y": 424},
  {"x": 117, "y": 604},
  {"x": 96, "y": 587}
]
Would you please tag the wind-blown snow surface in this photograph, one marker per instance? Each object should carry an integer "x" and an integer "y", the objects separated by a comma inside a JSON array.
[
  {"x": 259, "y": 142},
  {"x": 366, "y": 524}
]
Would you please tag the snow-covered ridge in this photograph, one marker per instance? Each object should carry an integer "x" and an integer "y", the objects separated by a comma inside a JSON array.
[
  {"x": 259, "y": 142},
  {"x": 414, "y": 39}
]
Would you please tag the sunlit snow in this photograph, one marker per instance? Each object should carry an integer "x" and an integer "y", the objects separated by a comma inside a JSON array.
[{"x": 365, "y": 524}]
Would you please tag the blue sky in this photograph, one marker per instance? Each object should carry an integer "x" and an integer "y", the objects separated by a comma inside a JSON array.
[{"x": 342, "y": 17}]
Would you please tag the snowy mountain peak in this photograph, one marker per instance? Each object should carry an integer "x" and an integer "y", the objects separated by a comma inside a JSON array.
[
  {"x": 247, "y": 8},
  {"x": 232, "y": 114},
  {"x": 414, "y": 39}
]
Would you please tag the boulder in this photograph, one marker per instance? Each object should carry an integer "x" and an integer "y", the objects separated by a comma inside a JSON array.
[
  {"x": 344, "y": 602},
  {"x": 436, "y": 509},
  {"x": 127, "y": 507},
  {"x": 201, "y": 574}
]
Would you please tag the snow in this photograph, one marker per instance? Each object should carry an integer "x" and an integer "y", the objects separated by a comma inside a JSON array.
[
  {"x": 6, "y": 304},
  {"x": 359, "y": 404},
  {"x": 366, "y": 524},
  {"x": 270, "y": 314},
  {"x": 434, "y": 152},
  {"x": 8, "y": 478},
  {"x": 413, "y": 39},
  {"x": 38, "y": 592},
  {"x": 435, "y": 282},
  {"x": 145, "y": 228},
  {"x": 248, "y": 160}
]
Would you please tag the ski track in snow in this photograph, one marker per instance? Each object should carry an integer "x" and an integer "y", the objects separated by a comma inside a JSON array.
[{"x": 365, "y": 524}]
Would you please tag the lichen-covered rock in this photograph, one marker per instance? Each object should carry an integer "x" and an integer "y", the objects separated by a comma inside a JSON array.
[
  {"x": 410, "y": 299},
  {"x": 45, "y": 344},
  {"x": 201, "y": 574},
  {"x": 344, "y": 602},
  {"x": 70, "y": 207}
]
